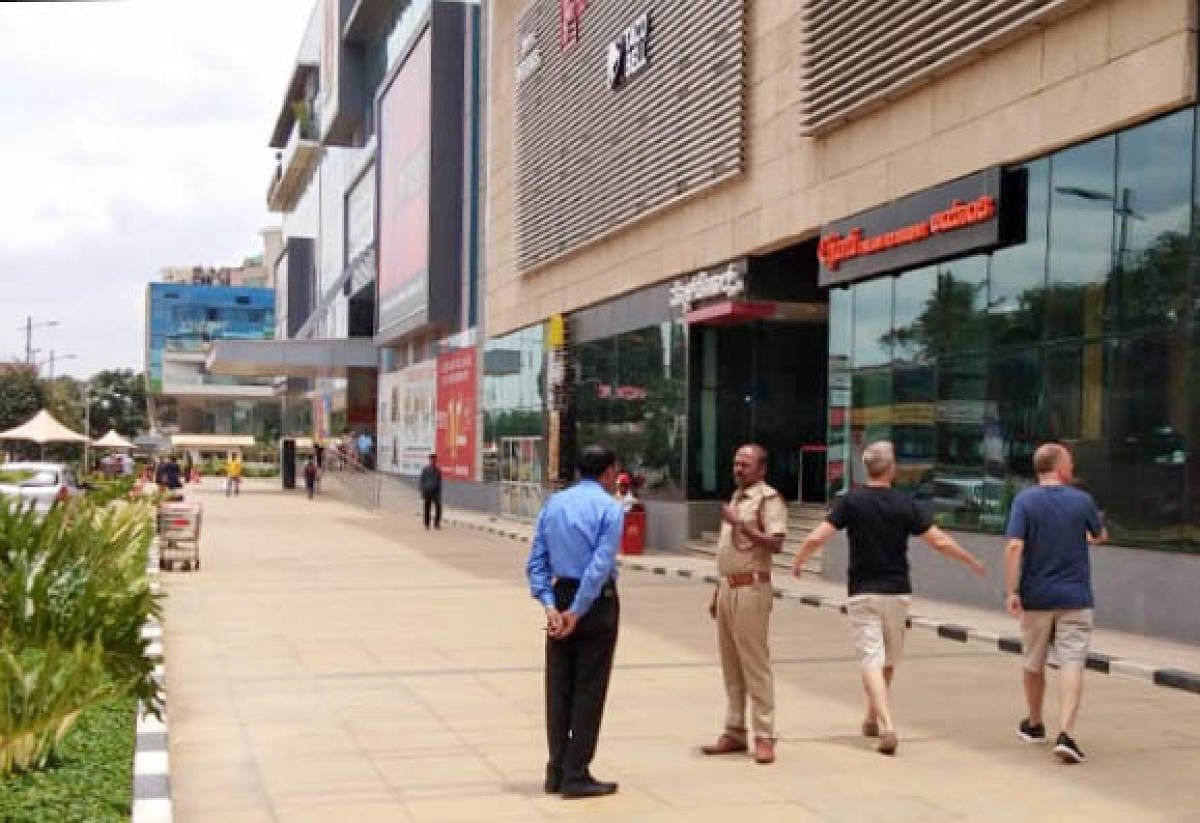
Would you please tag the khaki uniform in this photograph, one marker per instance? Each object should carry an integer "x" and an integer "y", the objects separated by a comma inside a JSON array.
[{"x": 743, "y": 612}]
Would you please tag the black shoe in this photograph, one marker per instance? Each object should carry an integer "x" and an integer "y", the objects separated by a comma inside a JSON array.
[
  {"x": 587, "y": 786},
  {"x": 554, "y": 779},
  {"x": 1068, "y": 750},
  {"x": 1031, "y": 733}
]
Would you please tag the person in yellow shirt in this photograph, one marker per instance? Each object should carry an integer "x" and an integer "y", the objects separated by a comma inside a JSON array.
[{"x": 233, "y": 475}]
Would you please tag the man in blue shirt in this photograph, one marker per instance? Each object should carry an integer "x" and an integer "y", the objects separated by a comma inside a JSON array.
[
  {"x": 572, "y": 573},
  {"x": 1049, "y": 587}
]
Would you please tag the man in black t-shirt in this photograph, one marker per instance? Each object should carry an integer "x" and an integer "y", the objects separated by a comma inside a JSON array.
[{"x": 878, "y": 521}]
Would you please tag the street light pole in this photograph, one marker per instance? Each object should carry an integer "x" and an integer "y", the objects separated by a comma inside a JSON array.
[{"x": 29, "y": 327}]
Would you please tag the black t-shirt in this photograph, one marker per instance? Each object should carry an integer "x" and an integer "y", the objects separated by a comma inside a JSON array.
[{"x": 878, "y": 522}]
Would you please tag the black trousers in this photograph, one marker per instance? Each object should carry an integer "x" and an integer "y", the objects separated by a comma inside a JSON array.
[
  {"x": 577, "y": 674},
  {"x": 433, "y": 501}
]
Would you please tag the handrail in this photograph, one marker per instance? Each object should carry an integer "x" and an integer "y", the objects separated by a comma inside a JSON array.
[{"x": 361, "y": 483}]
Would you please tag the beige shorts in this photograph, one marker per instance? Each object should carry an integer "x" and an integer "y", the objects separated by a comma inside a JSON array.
[
  {"x": 1068, "y": 631},
  {"x": 879, "y": 622}
]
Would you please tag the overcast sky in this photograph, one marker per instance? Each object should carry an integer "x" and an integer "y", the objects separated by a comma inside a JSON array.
[{"x": 132, "y": 137}]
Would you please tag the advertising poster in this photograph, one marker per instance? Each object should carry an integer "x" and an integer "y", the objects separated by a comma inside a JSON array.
[
  {"x": 404, "y": 129},
  {"x": 407, "y": 415},
  {"x": 456, "y": 395}
]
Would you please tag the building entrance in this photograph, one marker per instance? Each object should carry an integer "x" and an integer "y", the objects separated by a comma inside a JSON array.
[{"x": 763, "y": 382}]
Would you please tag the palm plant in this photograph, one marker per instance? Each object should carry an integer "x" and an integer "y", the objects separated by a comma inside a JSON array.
[{"x": 74, "y": 596}]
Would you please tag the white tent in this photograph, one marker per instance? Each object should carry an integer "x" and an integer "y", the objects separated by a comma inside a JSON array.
[
  {"x": 42, "y": 428},
  {"x": 112, "y": 440}
]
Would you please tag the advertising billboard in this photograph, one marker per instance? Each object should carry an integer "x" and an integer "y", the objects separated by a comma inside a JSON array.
[
  {"x": 456, "y": 402},
  {"x": 404, "y": 168},
  {"x": 407, "y": 414}
]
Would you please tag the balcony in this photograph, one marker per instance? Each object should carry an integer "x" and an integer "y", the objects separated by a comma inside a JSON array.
[{"x": 296, "y": 161}]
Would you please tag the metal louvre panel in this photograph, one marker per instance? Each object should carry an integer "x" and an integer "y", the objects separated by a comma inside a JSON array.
[
  {"x": 858, "y": 54},
  {"x": 591, "y": 160}
]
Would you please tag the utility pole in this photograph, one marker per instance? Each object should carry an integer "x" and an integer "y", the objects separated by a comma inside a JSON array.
[{"x": 28, "y": 329}]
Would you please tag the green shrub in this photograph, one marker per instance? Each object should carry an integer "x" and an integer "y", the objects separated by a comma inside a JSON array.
[
  {"x": 91, "y": 776},
  {"x": 104, "y": 491},
  {"x": 74, "y": 596}
]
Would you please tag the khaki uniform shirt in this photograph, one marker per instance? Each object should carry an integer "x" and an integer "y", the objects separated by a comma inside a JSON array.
[{"x": 763, "y": 507}]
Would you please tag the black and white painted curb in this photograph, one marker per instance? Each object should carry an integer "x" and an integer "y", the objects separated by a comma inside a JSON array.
[
  {"x": 1097, "y": 661},
  {"x": 151, "y": 772}
]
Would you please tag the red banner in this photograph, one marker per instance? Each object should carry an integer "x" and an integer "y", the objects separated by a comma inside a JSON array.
[{"x": 456, "y": 395}]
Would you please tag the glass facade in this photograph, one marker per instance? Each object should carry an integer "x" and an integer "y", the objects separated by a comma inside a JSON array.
[
  {"x": 187, "y": 319},
  {"x": 630, "y": 393},
  {"x": 1081, "y": 332},
  {"x": 514, "y": 403}
]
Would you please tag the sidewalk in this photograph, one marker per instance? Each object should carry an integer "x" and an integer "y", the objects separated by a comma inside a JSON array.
[
  {"x": 331, "y": 664},
  {"x": 1139, "y": 655}
]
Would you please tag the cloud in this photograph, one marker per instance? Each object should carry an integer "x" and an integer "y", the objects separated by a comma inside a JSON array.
[{"x": 134, "y": 137}]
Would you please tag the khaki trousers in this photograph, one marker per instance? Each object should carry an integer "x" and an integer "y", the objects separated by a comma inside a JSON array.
[{"x": 743, "y": 617}]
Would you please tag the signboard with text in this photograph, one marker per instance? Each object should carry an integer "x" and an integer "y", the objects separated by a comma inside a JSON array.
[
  {"x": 949, "y": 220},
  {"x": 407, "y": 413},
  {"x": 456, "y": 406}
]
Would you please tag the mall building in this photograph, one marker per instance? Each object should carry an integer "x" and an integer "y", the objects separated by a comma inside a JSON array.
[{"x": 968, "y": 228}]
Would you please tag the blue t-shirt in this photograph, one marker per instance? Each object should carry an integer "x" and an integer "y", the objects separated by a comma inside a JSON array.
[{"x": 1054, "y": 522}]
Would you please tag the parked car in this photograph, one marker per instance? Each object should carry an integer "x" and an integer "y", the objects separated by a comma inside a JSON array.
[{"x": 39, "y": 484}]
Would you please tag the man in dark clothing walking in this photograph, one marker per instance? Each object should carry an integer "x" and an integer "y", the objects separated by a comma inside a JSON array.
[
  {"x": 879, "y": 520},
  {"x": 431, "y": 491},
  {"x": 1049, "y": 587},
  {"x": 572, "y": 573}
]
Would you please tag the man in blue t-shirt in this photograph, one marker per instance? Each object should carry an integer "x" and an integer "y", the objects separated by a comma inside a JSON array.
[{"x": 1049, "y": 587}]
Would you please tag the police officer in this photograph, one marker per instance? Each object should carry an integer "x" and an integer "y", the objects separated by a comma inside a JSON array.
[{"x": 753, "y": 526}]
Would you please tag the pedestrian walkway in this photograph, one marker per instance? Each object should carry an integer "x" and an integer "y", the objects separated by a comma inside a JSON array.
[{"x": 332, "y": 664}]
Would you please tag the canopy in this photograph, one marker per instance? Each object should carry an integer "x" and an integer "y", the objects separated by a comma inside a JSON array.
[
  {"x": 112, "y": 440},
  {"x": 42, "y": 428}
]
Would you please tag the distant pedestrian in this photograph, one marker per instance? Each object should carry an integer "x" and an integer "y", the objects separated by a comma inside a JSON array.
[
  {"x": 1048, "y": 581},
  {"x": 572, "y": 573},
  {"x": 431, "y": 491},
  {"x": 753, "y": 527},
  {"x": 364, "y": 445},
  {"x": 233, "y": 475},
  {"x": 879, "y": 520},
  {"x": 169, "y": 474},
  {"x": 310, "y": 478}
]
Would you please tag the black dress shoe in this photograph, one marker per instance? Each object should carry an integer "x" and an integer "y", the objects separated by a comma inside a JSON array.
[
  {"x": 554, "y": 779},
  {"x": 587, "y": 787}
]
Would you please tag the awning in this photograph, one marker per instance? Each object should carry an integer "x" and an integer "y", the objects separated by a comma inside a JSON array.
[
  {"x": 728, "y": 312},
  {"x": 211, "y": 441},
  {"x": 42, "y": 428},
  {"x": 292, "y": 358}
]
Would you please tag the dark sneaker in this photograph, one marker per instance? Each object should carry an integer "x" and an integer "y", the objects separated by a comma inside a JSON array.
[
  {"x": 870, "y": 728},
  {"x": 1068, "y": 750},
  {"x": 1031, "y": 733},
  {"x": 888, "y": 742}
]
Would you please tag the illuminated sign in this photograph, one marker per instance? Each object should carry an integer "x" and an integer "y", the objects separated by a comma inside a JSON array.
[
  {"x": 834, "y": 248},
  {"x": 950, "y": 220}
]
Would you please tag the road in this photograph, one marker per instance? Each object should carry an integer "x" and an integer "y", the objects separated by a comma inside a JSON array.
[{"x": 330, "y": 664}]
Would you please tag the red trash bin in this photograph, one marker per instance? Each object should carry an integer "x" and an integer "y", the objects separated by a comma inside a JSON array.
[{"x": 633, "y": 535}]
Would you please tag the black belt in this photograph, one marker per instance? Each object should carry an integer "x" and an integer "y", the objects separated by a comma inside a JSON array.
[{"x": 609, "y": 589}]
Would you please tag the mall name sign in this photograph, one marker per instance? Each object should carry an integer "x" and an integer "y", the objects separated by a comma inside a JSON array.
[
  {"x": 728, "y": 282},
  {"x": 953, "y": 219}
]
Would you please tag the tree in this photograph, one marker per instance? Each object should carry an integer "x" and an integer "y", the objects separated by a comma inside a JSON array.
[
  {"x": 21, "y": 394},
  {"x": 118, "y": 401},
  {"x": 63, "y": 398}
]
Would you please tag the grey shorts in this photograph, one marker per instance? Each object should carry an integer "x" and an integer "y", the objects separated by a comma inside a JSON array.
[
  {"x": 1067, "y": 631},
  {"x": 879, "y": 623}
]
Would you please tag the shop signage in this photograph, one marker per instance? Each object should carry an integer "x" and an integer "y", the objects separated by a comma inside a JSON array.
[
  {"x": 529, "y": 57},
  {"x": 570, "y": 13},
  {"x": 729, "y": 282},
  {"x": 456, "y": 395},
  {"x": 952, "y": 219},
  {"x": 629, "y": 54}
]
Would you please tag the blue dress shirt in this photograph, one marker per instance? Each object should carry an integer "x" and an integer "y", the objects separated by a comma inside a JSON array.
[{"x": 577, "y": 536}]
